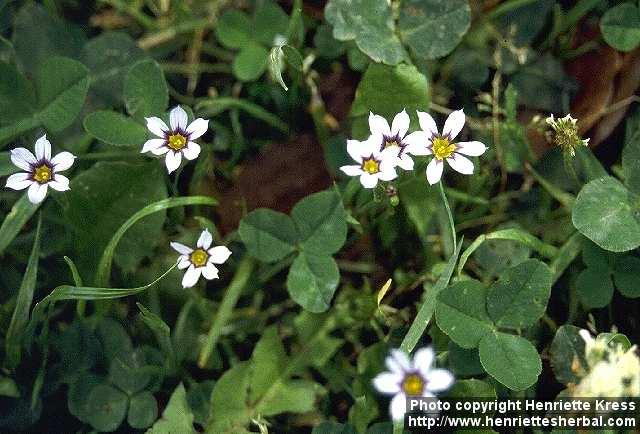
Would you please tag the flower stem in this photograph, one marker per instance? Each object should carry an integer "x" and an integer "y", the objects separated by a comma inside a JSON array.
[
  {"x": 398, "y": 428},
  {"x": 229, "y": 301},
  {"x": 451, "y": 223}
]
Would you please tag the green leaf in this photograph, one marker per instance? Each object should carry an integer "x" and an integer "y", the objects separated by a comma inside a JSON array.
[
  {"x": 293, "y": 57},
  {"x": 177, "y": 416},
  {"x": 472, "y": 388},
  {"x": 631, "y": 153},
  {"x": 6, "y": 166},
  {"x": 268, "y": 235},
  {"x": 511, "y": 360},
  {"x": 267, "y": 361},
  {"x": 370, "y": 24},
  {"x": 61, "y": 85},
  {"x": 107, "y": 407},
  {"x": 129, "y": 371},
  {"x": 625, "y": 276},
  {"x": 432, "y": 28},
  {"x": 594, "y": 287},
  {"x": 143, "y": 410},
  {"x": 19, "y": 215},
  {"x": 104, "y": 266},
  {"x": 233, "y": 29},
  {"x": 420, "y": 323},
  {"x": 250, "y": 63},
  {"x": 229, "y": 411},
  {"x": 145, "y": 90},
  {"x": 115, "y": 128},
  {"x": 38, "y": 36},
  {"x": 410, "y": 91},
  {"x": 321, "y": 221},
  {"x": 270, "y": 23},
  {"x": 333, "y": 428},
  {"x": 461, "y": 313},
  {"x": 620, "y": 26},
  {"x": 464, "y": 362},
  {"x": 17, "y": 98},
  {"x": 312, "y": 281},
  {"x": 100, "y": 201},
  {"x": 161, "y": 331},
  {"x": 113, "y": 338},
  {"x": 521, "y": 295},
  {"x": 8, "y": 387},
  {"x": 567, "y": 353},
  {"x": 79, "y": 391},
  {"x": 20, "y": 317},
  {"x": 607, "y": 214}
]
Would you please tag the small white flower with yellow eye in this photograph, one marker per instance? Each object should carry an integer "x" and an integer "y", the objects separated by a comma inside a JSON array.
[
  {"x": 443, "y": 147},
  {"x": 41, "y": 171},
  {"x": 201, "y": 260},
  {"x": 395, "y": 137},
  {"x": 407, "y": 378},
  {"x": 373, "y": 165},
  {"x": 177, "y": 139}
]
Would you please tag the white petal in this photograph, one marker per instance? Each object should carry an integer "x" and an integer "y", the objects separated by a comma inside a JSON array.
[
  {"x": 59, "y": 183},
  {"x": 427, "y": 124},
  {"x": 473, "y": 149},
  {"x": 453, "y": 125},
  {"x": 398, "y": 407},
  {"x": 23, "y": 158},
  {"x": 400, "y": 124},
  {"x": 434, "y": 171},
  {"x": 191, "y": 277},
  {"x": 379, "y": 125},
  {"x": 43, "y": 148},
  {"x": 157, "y": 126},
  {"x": 460, "y": 164},
  {"x": 352, "y": 170},
  {"x": 405, "y": 162},
  {"x": 210, "y": 271},
  {"x": 180, "y": 248},
  {"x": 387, "y": 172},
  {"x": 161, "y": 150},
  {"x": 398, "y": 362},
  {"x": 172, "y": 160},
  {"x": 416, "y": 143},
  {"x": 219, "y": 254},
  {"x": 183, "y": 262},
  {"x": 388, "y": 382},
  {"x": 439, "y": 380},
  {"x": 19, "y": 181},
  {"x": 423, "y": 360},
  {"x": 153, "y": 144},
  {"x": 368, "y": 180},
  {"x": 354, "y": 149},
  {"x": 178, "y": 119},
  {"x": 197, "y": 128},
  {"x": 63, "y": 161},
  {"x": 191, "y": 151},
  {"x": 205, "y": 240},
  {"x": 37, "y": 192}
]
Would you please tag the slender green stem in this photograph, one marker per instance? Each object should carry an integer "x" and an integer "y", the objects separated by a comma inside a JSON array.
[
  {"x": 240, "y": 279},
  {"x": 448, "y": 208}
]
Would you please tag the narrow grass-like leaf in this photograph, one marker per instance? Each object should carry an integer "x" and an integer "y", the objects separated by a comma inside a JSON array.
[
  {"x": 425, "y": 313},
  {"x": 20, "y": 315},
  {"x": 15, "y": 220},
  {"x": 212, "y": 107},
  {"x": 512, "y": 234},
  {"x": 6, "y": 166},
  {"x": 104, "y": 266},
  {"x": 161, "y": 331}
]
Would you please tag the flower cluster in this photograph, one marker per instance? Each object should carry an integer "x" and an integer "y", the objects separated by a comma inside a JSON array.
[
  {"x": 389, "y": 147},
  {"x": 612, "y": 371},
  {"x": 565, "y": 134},
  {"x": 407, "y": 378}
]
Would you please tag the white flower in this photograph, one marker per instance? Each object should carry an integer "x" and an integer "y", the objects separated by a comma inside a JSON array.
[
  {"x": 407, "y": 378},
  {"x": 565, "y": 133},
  {"x": 176, "y": 140},
  {"x": 395, "y": 137},
  {"x": 373, "y": 163},
  {"x": 443, "y": 147},
  {"x": 41, "y": 171},
  {"x": 199, "y": 261}
]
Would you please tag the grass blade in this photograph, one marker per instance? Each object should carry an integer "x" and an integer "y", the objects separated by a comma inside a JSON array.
[
  {"x": 104, "y": 266},
  {"x": 15, "y": 220},
  {"x": 20, "y": 316},
  {"x": 425, "y": 313}
]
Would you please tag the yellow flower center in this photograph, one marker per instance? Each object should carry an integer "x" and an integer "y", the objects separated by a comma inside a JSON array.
[
  {"x": 413, "y": 385},
  {"x": 199, "y": 258},
  {"x": 177, "y": 141},
  {"x": 371, "y": 165},
  {"x": 42, "y": 174},
  {"x": 442, "y": 148},
  {"x": 390, "y": 142}
]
